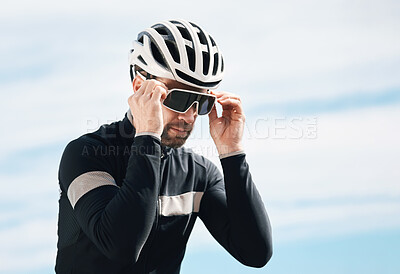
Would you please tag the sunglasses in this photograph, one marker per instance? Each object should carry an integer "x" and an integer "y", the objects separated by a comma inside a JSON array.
[{"x": 181, "y": 100}]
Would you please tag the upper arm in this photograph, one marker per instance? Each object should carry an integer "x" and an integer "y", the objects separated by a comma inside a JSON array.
[
  {"x": 116, "y": 219},
  {"x": 84, "y": 168}
]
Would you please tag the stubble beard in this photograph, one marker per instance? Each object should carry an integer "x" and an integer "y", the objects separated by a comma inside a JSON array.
[{"x": 177, "y": 140}]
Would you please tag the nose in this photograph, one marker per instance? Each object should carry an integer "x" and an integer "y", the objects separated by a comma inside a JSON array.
[{"x": 190, "y": 115}]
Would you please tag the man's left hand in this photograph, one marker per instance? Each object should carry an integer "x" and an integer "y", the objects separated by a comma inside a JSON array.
[{"x": 227, "y": 130}]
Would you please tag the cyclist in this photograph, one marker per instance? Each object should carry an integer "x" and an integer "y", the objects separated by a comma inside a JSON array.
[{"x": 130, "y": 193}]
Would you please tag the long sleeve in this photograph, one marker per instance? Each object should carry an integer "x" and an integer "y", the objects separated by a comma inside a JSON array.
[
  {"x": 118, "y": 220},
  {"x": 233, "y": 212}
]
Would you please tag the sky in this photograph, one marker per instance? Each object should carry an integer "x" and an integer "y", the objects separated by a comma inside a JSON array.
[{"x": 320, "y": 86}]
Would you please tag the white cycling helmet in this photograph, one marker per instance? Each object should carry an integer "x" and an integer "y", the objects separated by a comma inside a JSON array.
[{"x": 181, "y": 51}]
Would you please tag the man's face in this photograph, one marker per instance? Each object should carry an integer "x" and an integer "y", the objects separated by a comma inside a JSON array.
[{"x": 178, "y": 126}]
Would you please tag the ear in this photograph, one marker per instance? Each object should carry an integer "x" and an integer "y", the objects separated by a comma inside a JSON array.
[{"x": 137, "y": 83}]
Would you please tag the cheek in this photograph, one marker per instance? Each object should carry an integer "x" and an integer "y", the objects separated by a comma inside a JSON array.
[{"x": 168, "y": 115}]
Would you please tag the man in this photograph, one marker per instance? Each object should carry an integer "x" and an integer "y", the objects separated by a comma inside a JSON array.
[{"x": 130, "y": 193}]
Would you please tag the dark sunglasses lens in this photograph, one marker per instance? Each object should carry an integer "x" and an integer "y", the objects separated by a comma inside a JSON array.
[
  {"x": 205, "y": 104},
  {"x": 179, "y": 100}
]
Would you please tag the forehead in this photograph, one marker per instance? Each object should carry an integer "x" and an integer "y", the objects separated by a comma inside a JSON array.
[{"x": 175, "y": 84}]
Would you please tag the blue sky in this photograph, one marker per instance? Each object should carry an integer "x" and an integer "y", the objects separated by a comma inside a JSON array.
[{"x": 320, "y": 85}]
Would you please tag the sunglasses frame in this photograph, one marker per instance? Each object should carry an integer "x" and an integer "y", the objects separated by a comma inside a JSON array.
[
  {"x": 197, "y": 102},
  {"x": 184, "y": 90}
]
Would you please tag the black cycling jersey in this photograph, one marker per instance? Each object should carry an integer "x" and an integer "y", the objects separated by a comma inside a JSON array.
[{"x": 128, "y": 205}]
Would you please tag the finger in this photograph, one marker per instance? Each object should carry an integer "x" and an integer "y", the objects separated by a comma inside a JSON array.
[
  {"x": 153, "y": 83},
  {"x": 147, "y": 88},
  {"x": 232, "y": 103},
  {"x": 218, "y": 94},
  {"x": 229, "y": 101},
  {"x": 158, "y": 93},
  {"x": 130, "y": 98},
  {"x": 141, "y": 89},
  {"x": 213, "y": 114},
  {"x": 229, "y": 95},
  {"x": 164, "y": 92},
  {"x": 221, "y": 94}
]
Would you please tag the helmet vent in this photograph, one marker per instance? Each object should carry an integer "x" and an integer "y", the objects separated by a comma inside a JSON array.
[
  {"x": 140, "y": 40},
  {"x": 173, "y": 50},
  {"x": 195, "y": 26},
  {"x": 140, "y": 58},
  {"x": 191, "y": 58},
  {"x": 185, "y": 34},
  {"x": 161, "y": 30},
  {"x": 202, "y": 38},
  {"x": 206, "y": 62},
  {"x": 176, "y": 23},
  {"x": 212, "y": 41},
  {"x": 157, "y": 55},
  {"x": 215, "y": 64}
]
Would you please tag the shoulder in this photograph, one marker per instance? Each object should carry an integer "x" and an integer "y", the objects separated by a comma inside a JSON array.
[
  {"x": 85, "y": 145},
  {"x": 107, "y": 138},
  {"x": 90, "y": 152}
]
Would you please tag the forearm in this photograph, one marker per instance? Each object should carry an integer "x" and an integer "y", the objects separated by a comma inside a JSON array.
[
  {"x": 250, "y": 229},
  {"x": 119, "y": 221}
]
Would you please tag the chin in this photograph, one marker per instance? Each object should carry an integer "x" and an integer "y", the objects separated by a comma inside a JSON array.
[
  {"x": 173, "y": 141},
  {"x": 177, "y": 142}
]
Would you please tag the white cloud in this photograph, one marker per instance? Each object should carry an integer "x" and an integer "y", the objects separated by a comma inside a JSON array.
[
  {"x": 348, "y": 175},
  {"x": 329, "y": 221},
  {"x": 355, "y": 153},
  {"x": 293, "y": 223},
  {"x": 28, "y": 246},
  {"x": 28, "y": 214}
]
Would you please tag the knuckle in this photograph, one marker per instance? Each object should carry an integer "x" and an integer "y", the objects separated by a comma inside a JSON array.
[
  {"x": 145, "y": 94},
  {"x": 153, "y": 82},
  {"x": 131, "y": 100},
  {"x": 160, "y": 88}
]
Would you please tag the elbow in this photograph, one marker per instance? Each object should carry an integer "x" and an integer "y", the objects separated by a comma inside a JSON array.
[
  {"x": 120, "y": 255},
  {"x": 263, "y": 259},
  {"x": 259, "y": 255},
  {"x": 260, "y": 259}
]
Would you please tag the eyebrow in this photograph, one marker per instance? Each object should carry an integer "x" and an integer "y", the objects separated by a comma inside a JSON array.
[
  {"x": 150, "y": 76},
  {"x": 180, "y": 87}
]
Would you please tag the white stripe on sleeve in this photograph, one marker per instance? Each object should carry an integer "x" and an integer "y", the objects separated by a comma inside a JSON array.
[{"x": 87, "y": 182}]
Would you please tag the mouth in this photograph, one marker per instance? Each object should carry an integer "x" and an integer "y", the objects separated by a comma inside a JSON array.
[{"x": 179, "y": 130}]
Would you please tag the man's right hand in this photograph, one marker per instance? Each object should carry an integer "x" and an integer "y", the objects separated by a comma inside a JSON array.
[{"x": 145, "y": 106}]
